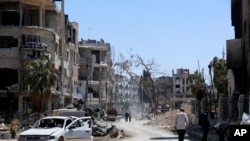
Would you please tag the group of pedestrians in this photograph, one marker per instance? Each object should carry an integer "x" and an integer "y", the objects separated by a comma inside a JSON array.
[{"x": 181, "y": 123}]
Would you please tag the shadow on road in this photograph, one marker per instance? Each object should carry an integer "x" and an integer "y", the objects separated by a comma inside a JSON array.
[{"x": 169, "y": 138}]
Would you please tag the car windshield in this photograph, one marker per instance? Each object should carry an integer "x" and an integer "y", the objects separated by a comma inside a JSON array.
[{"x": 50, "y": 123}]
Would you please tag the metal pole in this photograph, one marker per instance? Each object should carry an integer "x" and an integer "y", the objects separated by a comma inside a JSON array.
[
  {"x": 142, "y": 107},
  {"x": 62, "y": 55},
  {"x": 86, "y": 91}
]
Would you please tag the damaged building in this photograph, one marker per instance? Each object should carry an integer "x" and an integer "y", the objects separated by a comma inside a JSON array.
[
  {"x": 95, "y": 72},
  {"x": 30, "y": 28}
]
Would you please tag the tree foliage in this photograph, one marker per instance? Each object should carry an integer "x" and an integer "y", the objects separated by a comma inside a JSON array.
[
  {"x": 149, "y": 68},
  {"x": 198, "y": 85},
  {"x": 219, "y": 71},
  {"x": 40, "y": 75}
]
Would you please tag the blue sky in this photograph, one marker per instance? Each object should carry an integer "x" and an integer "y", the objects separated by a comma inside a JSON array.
[{"x": 175, "y": 33}]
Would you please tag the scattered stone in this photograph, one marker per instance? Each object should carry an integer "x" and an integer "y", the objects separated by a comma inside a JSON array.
[
  {"x": 120, "y": 134},
  {"x": 113, "y": 133}
]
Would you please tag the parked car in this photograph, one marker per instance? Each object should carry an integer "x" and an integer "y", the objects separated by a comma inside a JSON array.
[{"x": 59, "y": 128}]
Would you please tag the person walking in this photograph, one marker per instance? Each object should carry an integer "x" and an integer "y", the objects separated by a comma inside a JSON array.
[
  {"x": 126, "y": 116},
  {"x": 205, "y": 124},
  {"x": 129, "y": 117},
  {"x": 181, "y": 122}
]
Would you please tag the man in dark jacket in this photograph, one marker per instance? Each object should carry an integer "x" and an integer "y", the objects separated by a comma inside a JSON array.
[{"x": 205, "y": 124}]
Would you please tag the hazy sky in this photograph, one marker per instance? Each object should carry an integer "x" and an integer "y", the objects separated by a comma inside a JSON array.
[{"x": 176, "y": 33}]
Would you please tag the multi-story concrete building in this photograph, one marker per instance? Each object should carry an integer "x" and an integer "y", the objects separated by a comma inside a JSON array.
[
  {"x": 126, "y": 93},
  {"x": 164, "y": 87},
  {"x": 238, "y": 57},
  {"x": 30, "y": 28},
  {"x": 238, "y": 49},
  {"x": 134, "y": 90},
  {"x": 95, "y": 70},
  {"x": 181, "y": 88},
  {"x": 71, "y": 64}
]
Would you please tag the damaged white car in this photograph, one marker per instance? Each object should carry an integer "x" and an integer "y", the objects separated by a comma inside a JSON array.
[{"x": 59, "y": 128}]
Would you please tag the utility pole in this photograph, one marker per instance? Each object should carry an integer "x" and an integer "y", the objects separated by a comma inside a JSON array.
[
  {"x": 88, "y": 62},
  {"x": 142, "y": 105},
  {"x": 62, "y": 51},
  {"x": 87, "y": 82}
]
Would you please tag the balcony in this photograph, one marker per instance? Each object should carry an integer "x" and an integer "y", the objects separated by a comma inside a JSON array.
[
  {"x": 34, "y": 46},
  {"x": 9, "y": 30}
]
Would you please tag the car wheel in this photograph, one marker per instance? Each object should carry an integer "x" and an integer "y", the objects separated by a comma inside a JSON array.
[{"x": 61, "y": 139}]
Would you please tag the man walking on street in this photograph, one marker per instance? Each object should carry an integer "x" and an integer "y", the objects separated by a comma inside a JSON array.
[{"x": 181, "y": 122}]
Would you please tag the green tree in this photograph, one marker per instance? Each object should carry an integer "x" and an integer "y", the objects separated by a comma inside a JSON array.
[
  {"x": 198, "y": 89},
  {"x": 218, "y": 69},
  {"x": 198, "y": 85},
  {"x": 126, "y": 105},
  {"x": 40, "y": 75}
]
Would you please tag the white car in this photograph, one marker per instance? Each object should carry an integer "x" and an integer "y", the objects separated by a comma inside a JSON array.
[{"x": 59, "y": 128}]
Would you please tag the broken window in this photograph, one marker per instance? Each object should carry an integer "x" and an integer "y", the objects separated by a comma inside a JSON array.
[
  {"x": 10, "y": 17},
  {"x": 8, "y": 78},
  {"x": 8, "y": 42}
]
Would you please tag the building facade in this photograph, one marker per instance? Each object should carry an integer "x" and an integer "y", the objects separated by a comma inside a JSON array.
[
  {"x": 30, "y": 28},
  {"x": 181, "y": 88},
  {"x": 95, "y": 70},
  {"x": 126, "y": 96},
  {"x": 238, "y": 60},
  {"x": 164, "y": 86}
]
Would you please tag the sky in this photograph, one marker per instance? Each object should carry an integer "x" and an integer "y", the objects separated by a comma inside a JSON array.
[{"x": 175, "y": 33}]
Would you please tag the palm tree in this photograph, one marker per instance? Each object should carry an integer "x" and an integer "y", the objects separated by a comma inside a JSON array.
[
  {"x": 198, "y": 86},
  {"x": 40, "y": 75},
  {"x": 220, "y": 75},
  {"x": 198, "y": 89}
]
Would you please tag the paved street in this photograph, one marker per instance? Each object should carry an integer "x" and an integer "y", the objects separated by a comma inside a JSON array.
[{"x": 141, "y": 132}]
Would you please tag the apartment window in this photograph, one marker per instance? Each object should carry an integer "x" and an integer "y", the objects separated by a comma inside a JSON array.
[
  {"x": 56, "y": 48},
  {"x": 10, "y": 17},
  {"x": 67, "y": 55}
]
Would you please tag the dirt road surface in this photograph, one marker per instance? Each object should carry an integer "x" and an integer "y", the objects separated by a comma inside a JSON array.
[{"x": 139, "y": 130}]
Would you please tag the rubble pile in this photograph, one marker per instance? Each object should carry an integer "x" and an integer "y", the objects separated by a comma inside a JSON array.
[
  {"x": 114, "y": 135},
  {"x": 167, "y": 119}
]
